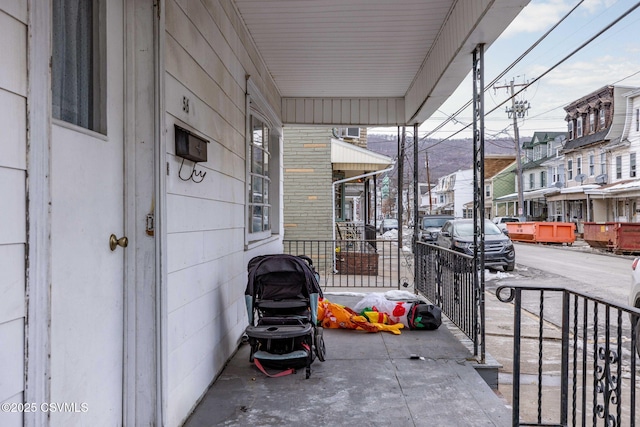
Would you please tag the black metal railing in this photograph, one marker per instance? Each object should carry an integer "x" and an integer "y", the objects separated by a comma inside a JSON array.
[
  {"x": 586, "y": 357},
  {"x": 355, "y": 263},
  {"x": 446, "y": 278}
]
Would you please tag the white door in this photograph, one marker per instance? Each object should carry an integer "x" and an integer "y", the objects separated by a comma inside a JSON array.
[{"x": 87, "y": 188}]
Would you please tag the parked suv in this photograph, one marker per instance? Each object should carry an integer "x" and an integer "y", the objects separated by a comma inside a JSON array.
[
  {"x": 634, "y": 297},
  {"x": 430, "y": 225},
  {"x": 457, "y": 234}
]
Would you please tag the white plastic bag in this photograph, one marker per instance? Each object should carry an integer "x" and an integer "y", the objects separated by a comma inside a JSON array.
[{"x": 396, "y": 310}]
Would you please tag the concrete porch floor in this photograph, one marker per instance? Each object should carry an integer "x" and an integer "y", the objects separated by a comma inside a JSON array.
[{"x": 368, "y": 379}]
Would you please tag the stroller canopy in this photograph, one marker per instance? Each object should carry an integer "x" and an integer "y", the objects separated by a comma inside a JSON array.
[{"x": 290, "y": 269}]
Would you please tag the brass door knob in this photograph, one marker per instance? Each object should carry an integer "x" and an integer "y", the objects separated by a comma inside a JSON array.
[{"x": 114, "y": 242}]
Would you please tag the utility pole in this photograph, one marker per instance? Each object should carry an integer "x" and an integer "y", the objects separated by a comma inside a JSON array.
[
  {"x": 428, "y": 180},
  {"x": 518, "y": 110}
]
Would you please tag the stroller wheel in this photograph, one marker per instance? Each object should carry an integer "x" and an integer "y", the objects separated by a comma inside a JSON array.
[{"x": 321, "y": 351}]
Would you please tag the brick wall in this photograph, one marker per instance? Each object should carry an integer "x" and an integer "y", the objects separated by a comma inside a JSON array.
[{"x": 307, "y": 183}]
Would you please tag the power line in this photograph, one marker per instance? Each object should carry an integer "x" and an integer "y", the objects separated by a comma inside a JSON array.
[
  {"x": 556, "y": 65},
  {"x": 509, "y": 68}
]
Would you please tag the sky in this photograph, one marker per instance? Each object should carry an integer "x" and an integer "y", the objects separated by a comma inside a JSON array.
[{"x": 612, "y": 58}]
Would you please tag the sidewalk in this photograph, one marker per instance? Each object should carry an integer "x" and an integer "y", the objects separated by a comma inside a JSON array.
[{"x": 368, "y": 379}]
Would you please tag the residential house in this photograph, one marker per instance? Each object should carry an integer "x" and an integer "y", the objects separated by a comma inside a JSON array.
[
  {"x": 594, "y": 122},
  {"x": 619, "y": 199},
  {"x": 428, "y": 199},
  {"x": 453, "y": 191},
  {"x": 493, "y": 164},
  {"x": 141, "y": 168},
  {"x": 554, "y": 162},
  {"x": 329, "y": 177},
  {"x": 536, "y": 177},
  {"x": 502, "y": 186}
]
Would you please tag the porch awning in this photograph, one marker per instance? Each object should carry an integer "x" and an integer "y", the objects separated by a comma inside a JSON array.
[
  {"x": 572, "y": 193},
  {"x": 527, "y": 195},
  {"x": 350, "y": 157},
  {"x": 629, "y": 187}
]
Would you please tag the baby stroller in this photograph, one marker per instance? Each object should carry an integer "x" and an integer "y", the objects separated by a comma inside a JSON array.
[{"x": 282, "y": 304}]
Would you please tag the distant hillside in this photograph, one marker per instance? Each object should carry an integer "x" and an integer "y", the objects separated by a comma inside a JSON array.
[{"x": 444, "y": 157}]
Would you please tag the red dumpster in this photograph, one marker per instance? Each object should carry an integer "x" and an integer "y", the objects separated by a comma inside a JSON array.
[
  {"x": 614, "y": 236},
  {"x": 600, "y": 234},
  {"x": 542, "y": 232}
]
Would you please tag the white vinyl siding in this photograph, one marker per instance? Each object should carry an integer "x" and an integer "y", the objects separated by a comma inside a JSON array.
[
  {"x": 13, "y": 193},
  {"x": 207, "y": 61}
]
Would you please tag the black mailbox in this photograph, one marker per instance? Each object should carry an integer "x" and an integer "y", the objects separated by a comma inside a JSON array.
[{"x": 190, "y": 146}]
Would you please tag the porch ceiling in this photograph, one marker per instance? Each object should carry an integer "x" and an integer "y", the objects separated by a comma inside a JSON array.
[{"x": 386, "y": 61}]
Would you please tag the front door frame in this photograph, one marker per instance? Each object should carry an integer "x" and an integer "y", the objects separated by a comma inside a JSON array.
[
  {"x": 37, "y": 349},
  {"x": 144, "y": 310},
  {"x": 37, "y": 332}
]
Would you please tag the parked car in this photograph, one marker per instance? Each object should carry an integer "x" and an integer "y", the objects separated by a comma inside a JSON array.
[
  {"x": 388, "y": 224},
  {"x": 430, "y": 225},
  {"x": 501, "y": 221},
  {"x": 634, "y": 297},
  {"x": 457, "y": 234}
]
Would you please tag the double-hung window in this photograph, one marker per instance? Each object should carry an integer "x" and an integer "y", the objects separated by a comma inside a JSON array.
[
  {"x": 259, "y": 202},
  {"x": 569, "y": 169},
  {"x": 618, "y": 167},
  {"x": 579, "y": 127},
  {"x": 264, "y": 134},
  {"x": 632, "y": 165}
]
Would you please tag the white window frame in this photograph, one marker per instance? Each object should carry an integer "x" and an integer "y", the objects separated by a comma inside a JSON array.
[
  {"x": 258, "y": 107},
  {"x": 349, "y": 132},
  {"x": 537, "y": 152},
  {"x": 632, "y": 165},
  {"x": 569, "y": 169},
  {"x": 618, "y": 167},
  {"x": 592, "y": 164},
  {"x": 602, "y": 118},
  {"x": 592, "y": 122},
  {"x": 603, "y": 163},
  {"x": 579, "y": 127},
  {"x": 570, "y": 129}
]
